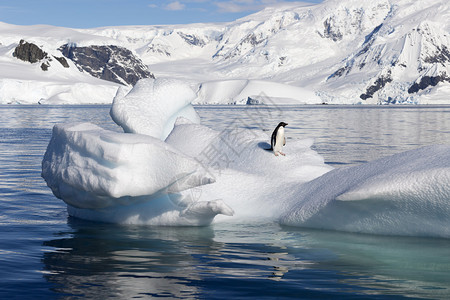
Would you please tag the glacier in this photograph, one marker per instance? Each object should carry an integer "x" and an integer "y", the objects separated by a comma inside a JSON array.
[{"x": 197, "y": 175}]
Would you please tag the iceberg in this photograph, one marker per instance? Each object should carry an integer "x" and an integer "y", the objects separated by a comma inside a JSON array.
[
  {"x": 404, "y": 194},
  {"x": 101, "y": 176},
  {"x": 250, "y": 179},
  {"x": 107, "y": 166},
  {"x": 152, "y": 106},
  {"x": 170, "y": 170},
  {"x": 243, "y": 91}
]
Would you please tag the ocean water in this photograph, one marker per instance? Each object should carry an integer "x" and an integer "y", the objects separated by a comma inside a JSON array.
[{"x": 44, "y": 254}]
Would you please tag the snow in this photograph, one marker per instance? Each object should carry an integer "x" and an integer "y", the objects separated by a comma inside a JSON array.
[
  {"x": 104, "y": 176},
  {"x": 259, "y": 92},
  {"x": 198, "y": 175},
  {"x": 405, "y": 194},
  {"x": 438, "y": 95},
  {"x": 25, "y": 83},
  {"x": 295, "y": 45},
  {"x": 152, "y": 107},
  {"x": 53, "y": 92},
  {"x": 248, "y": 178}
]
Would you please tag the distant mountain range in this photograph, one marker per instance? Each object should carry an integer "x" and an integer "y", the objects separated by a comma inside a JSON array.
[{"x": 339, "y": 51}]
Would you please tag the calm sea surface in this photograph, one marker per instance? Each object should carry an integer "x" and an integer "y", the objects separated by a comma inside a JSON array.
[{"x": 46, "y": 255}]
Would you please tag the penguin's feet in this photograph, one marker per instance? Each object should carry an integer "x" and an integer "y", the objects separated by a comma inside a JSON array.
[{"x": 282, "y": 153}]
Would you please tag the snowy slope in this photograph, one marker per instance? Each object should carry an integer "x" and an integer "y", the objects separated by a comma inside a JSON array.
[
  {"x": 74, "y": 63},
  {"x": 26, "y": 83},
  {"x": 403, "y": 58},
  {"x": 343, "y": 51}
]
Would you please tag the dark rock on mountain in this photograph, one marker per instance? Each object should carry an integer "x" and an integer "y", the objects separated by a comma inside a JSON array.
[
  {"x": 331, "y": 31},
  {"x": 29, "y": 52},
  {"x": 158, "y": 49},
  {"x": 62, "y": 61},
  {"x": 192, "y": 39},
  {"x": 250, "y": 39},
  {"x": 45, "y": 66},
  {"x": 341, "y": 72},
  {"x": 359, "y": 56},
  {"x": 112, "y": 63},
  {"x": 427, "y": 81},
  {"x": 376, "y": 86},
  {"x": 441, "y": 56},
  {"x": 32, "y": 53}
]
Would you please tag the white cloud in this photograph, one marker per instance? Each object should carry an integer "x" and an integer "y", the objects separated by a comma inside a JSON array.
[
  {"x": 237, "y": 6},
  {"x": 176, "y": 5},
  {"x": 223, "y": 6},
  {"x": 247, "y": 2}
]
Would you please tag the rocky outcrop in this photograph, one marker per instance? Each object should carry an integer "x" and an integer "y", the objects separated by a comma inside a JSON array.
[
  {"x": 62, "y": 61},
  {"x": 427, "y": 81},
  {"x": 29, "y": 52},
  {"x": 191, "y": 39},
  {"x": 112, "y": 63},
  {"x": 379, "y": 84},
  {"x": 250, "y": 41},
  {"x": 331, "y": 31},
  {"x": 33, "y": 54}
]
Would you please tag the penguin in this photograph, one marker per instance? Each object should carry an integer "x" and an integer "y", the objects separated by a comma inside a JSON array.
[{"x": 278, "y": 139}]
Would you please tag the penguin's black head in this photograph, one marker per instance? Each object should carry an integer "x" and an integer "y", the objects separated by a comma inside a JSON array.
[{"x": 282, "y": 124}]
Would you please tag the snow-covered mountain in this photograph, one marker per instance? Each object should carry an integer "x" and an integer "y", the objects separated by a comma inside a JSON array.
[
  {"x": 339, "y": 51},
  {"x": 405, "y": 58},
  {"x": 45, "y": 67}
]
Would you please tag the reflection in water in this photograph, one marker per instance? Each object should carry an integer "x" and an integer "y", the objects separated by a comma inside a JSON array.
[
  {"x": 103, "y": 260},
  {"x": 126, "y": 261},
  {"x": 407, "y": 266}
]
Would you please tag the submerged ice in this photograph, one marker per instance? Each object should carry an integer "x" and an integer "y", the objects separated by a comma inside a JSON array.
[{"x": 167, "y": 169}]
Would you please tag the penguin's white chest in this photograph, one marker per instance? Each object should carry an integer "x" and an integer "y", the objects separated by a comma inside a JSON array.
[{"x": 279, "y": 141}]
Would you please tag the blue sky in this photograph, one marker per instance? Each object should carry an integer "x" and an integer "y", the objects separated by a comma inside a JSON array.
[{"x": 97, "y": 13}]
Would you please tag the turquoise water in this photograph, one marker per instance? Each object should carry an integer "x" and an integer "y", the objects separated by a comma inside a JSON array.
[{"x": 46, "y": 255}]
